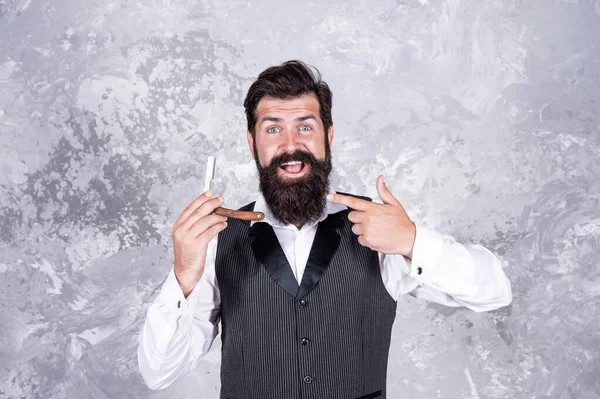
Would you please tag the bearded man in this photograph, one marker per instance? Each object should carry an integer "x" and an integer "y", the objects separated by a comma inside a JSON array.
[{"x": 306, "y": 297}]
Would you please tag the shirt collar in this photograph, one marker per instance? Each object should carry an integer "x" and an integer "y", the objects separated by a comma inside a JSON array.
[{"x": 261, "y": 206}]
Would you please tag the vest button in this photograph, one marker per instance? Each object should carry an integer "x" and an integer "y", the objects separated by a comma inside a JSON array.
[
  {"x": 308, "y": 379},
  {"x": 303, "y": 302},
  {"x": 305, "y": 341}
]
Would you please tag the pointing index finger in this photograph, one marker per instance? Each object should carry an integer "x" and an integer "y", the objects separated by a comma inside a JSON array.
[{"x": 350, "y": 202}]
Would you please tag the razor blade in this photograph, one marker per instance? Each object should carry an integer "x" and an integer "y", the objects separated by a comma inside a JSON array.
[{"x": 210, "y": 172}]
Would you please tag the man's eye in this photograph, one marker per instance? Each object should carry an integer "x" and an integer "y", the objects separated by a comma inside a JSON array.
[
  {"x": 273, "y": 130},
  {"x": 305, "y": 127}
]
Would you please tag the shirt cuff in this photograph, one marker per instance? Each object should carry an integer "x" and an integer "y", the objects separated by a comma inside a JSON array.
[
  {"x": 426, "y": 254},
  {"x": 172, "y": 296}
]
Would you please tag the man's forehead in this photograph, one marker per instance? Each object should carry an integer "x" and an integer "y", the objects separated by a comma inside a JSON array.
[{"x": 270, "y": 105}]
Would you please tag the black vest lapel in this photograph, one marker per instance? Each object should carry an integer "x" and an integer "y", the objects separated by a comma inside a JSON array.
[
  {"x": 268, "y": 251},
  {"x": 324, "y": 246}
]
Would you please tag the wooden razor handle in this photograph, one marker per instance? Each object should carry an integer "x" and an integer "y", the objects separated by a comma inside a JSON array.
[{"x": 242, "y": 215}]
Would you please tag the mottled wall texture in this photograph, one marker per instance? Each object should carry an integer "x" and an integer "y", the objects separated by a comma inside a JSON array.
[{"x": 484, "y": 115}]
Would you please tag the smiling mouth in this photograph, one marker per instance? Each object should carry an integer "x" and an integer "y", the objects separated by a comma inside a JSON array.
[{"x": 294, "y": 168}]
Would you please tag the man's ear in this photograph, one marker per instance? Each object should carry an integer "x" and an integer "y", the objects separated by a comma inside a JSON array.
[
  {"x": 250, "y": 143},
  {"x": 330, "y": 135}
]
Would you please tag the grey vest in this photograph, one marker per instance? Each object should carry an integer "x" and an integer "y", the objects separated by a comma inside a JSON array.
[{"x": 328, "y": 338}]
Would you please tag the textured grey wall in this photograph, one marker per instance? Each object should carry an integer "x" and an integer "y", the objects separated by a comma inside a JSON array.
[{"x": 483, "y": 115}]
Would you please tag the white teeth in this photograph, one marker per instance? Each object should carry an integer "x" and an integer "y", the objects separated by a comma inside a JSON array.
[{"x": 292, "y": 163}]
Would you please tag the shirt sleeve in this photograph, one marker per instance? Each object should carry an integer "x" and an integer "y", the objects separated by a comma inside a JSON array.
[
  {"x": 178, "y": 330},
  {"x": 447, "y": 272}
]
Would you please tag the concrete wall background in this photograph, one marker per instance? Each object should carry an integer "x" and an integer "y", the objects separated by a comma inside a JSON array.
[{"x": 483, "y": 115}]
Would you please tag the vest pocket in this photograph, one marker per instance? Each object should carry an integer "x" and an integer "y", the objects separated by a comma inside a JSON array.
[{"x": 371, "y": 395}]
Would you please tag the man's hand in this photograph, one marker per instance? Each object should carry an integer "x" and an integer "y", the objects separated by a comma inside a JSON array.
[
  {"x": 192, "y": 232},
  {"x": 383, "y": 227}
]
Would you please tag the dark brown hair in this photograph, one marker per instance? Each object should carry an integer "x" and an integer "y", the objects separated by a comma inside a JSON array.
[{"x": 291, "y": 79}]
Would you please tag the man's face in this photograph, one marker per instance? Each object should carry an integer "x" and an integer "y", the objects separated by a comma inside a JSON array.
[
  {"x": 292, "y": 159},
  {"x": 288, "y": 126}
]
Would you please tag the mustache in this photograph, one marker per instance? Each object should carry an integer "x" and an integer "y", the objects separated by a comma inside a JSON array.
[{"x": 302, "y": 156}]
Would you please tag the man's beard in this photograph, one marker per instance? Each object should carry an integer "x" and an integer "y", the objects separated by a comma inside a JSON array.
[{"x": 301, "y": 200}]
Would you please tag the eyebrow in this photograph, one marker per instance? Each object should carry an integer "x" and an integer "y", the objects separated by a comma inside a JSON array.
[{"x": 298, "y": 119}]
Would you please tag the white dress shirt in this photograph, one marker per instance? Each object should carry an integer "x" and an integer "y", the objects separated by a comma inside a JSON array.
[{"x": 178, "y": 330}]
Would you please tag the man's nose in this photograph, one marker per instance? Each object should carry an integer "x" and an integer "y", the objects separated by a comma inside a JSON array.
[{"x": 290, "y": 143}]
